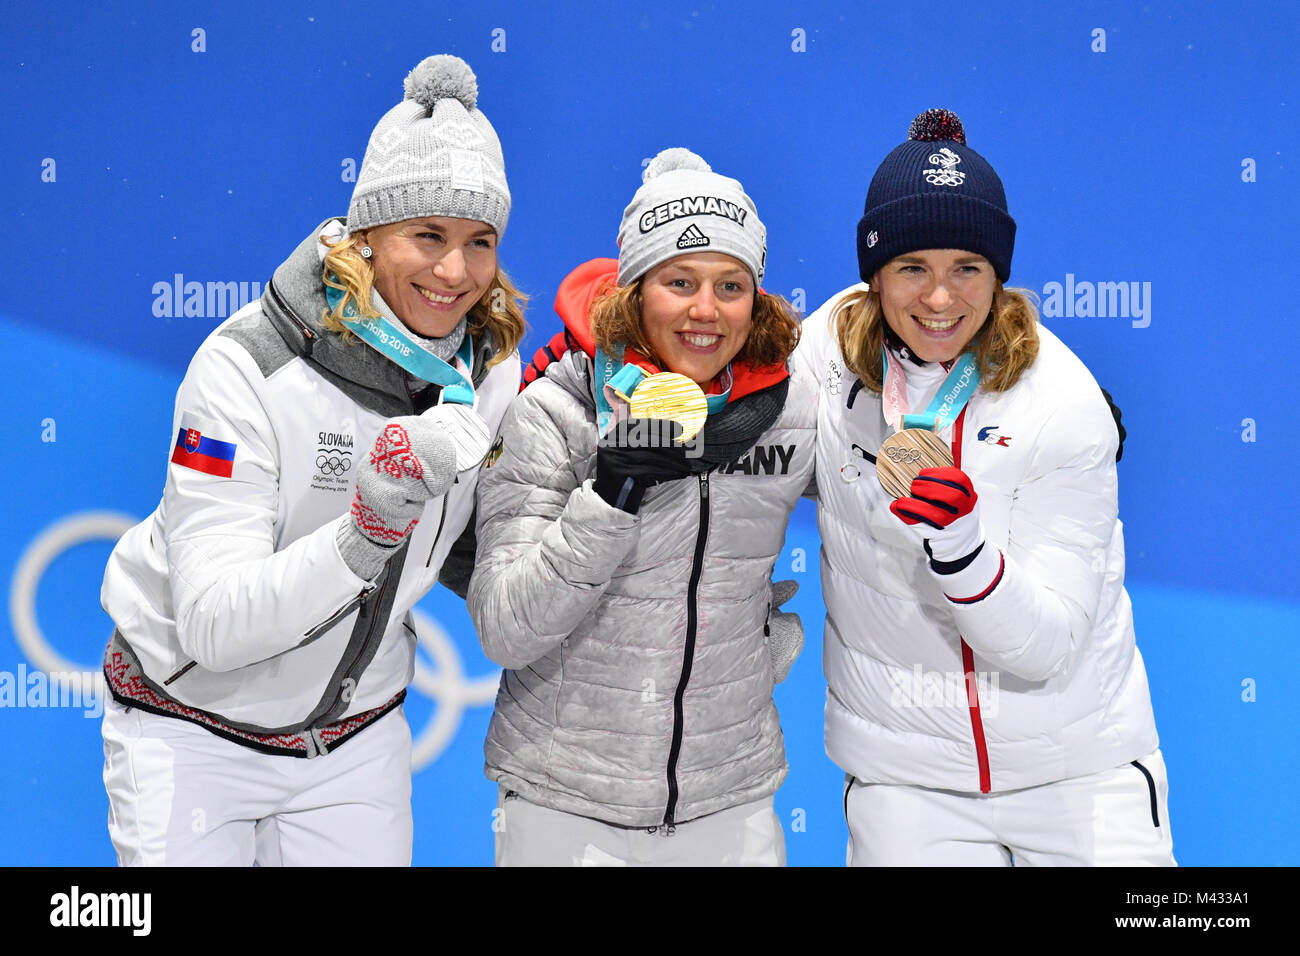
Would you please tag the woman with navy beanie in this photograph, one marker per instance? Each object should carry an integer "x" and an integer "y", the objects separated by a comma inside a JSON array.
[{"x": 987, "y": 700}]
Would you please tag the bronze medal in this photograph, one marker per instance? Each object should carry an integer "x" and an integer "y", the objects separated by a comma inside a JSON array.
[
  {"x": 904, "y": 454},
  {"x": 668, "y": 396}
]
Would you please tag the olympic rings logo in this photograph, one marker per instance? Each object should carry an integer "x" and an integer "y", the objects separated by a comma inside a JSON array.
[
  {"x": 439, "y": 669},
  {"x": 903, "y": 456},
  {"x": 333, "y": 464},
  {"x": 944, "y": 177}
]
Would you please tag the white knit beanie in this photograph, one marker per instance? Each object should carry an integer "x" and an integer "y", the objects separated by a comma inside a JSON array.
[
  {"x": 433, "y": 154},
  {"x": 684, "y": 207}
]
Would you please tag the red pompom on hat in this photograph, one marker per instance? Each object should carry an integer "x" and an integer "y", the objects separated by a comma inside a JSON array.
[
  {"x": 934, "y": 125},
  {"x": 935, "y": 192}
]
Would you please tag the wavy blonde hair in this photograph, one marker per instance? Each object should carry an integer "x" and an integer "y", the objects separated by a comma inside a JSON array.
[
  {"x": 1005, "y": 346},
  {"x": 500, "y": 311},
  {"x": 616, "y": 322}
]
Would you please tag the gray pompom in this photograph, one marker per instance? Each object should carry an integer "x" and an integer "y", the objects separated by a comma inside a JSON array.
[
  {"x": 676, "y": 157},
  {"x": 442, "y": 77}
]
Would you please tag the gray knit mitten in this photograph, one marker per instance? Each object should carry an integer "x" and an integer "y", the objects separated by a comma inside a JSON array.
[
  {"x": 414, "y": 460},
  {"x": 784, "y": 630}
]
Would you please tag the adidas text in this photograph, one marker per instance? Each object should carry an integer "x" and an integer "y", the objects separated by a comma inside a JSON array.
[{"x": 691, "y": 238}]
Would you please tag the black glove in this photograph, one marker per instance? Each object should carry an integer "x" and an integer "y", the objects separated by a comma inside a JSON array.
[
  {"x": 638, "y": 454},
  {"x": 1119, "y": 426}
]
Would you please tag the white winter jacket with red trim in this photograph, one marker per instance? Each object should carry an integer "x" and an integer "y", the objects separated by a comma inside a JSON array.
[{"x": 1060, "y": 685}]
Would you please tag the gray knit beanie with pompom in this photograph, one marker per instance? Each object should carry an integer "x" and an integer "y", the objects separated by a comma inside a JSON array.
[
  {"x": 682, "y": 207},
  {"x": 433, "y": 154}
]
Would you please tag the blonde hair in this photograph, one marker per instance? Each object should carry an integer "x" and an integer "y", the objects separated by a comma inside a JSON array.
[
  {"x": 499, "y": 312},
  {"x": 616, "y": 322},
  {"x": 1005, "y": 346}
]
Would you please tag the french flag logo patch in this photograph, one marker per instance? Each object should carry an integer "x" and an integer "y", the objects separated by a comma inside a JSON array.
[{"x": 200, "y": 451}]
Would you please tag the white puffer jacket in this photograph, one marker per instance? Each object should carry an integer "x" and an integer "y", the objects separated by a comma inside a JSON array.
[{"x": 1060, "y": 688}]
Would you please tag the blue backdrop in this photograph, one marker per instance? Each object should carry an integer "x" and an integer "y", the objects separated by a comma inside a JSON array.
[{"x": 157, "y": 158}]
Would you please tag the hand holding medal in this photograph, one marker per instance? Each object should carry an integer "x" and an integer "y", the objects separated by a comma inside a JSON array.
[
  {"x": 632, "y": 457},
  {"x": 933, "y": 496},
  {"x": 904, "y": 454},
  {"x": 668, "y": 396},
  {"x": 941, "y": 505},
  {"x": 466, "y": 429},
  {"x": 916, "y": 444},
  {"x": 915, "y": 465}
]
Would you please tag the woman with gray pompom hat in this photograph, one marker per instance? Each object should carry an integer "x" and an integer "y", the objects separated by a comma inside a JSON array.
[
  {"x": 628, "y": 528},
  {"x": 327, "y": 442}
]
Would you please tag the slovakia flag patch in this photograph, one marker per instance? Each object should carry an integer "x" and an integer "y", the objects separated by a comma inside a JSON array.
[{"x": 200, "y": 451}]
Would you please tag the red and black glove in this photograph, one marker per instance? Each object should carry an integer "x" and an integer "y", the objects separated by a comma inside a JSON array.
[{"x": 943, "y": 509}]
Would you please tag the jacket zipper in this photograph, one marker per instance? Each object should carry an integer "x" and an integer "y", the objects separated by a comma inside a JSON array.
[
  {"x": 311, "y": 635},
  {"x": 968, "y": 658},
  {"x": 185, "y": 669},
  {"x": 370, "y": 633},
  {"x": 308, "y": 334},
  {"x": 312, "y": 737},
  {"x": 442, "y": 519},
  {"x": 334, "y": 618},
  {"x": 688, "y": 657}
]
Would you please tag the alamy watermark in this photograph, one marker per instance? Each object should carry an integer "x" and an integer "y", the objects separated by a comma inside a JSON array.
[
  {"x": 652, "y": 433},
  {"x": 921, "y": 688},
  {"x": 1085, "y": 299},
  {"x": 201, "y": 300},
  {"x": 133, "y": 911},
  {"x": 77, "y": 690}
]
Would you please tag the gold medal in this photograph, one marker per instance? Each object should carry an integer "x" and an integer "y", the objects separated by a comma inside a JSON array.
[
  {"x": 904, "y": 454},
  {"x": 671, "y": 397}
]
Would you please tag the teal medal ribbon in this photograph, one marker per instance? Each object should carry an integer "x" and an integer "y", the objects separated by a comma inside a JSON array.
[
  {"x": 962, "y": 381},
  {"x": 612, "y": 376},
  {"x": 398, "y": 345}
]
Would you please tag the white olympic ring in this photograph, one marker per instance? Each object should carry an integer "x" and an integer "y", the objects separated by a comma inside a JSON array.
[
  {"x": 32, "y": 564},
  {"x": 444, "y": 682},
  {"x": 447, "y": 686}
]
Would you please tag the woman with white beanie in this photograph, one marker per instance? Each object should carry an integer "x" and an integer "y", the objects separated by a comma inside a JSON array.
[
  {"x": 628, "y": 525},
  {"x": 326, "y": 445}
]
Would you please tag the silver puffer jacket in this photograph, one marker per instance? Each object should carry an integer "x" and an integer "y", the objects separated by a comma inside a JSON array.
[{"x": 638, "y": 688}]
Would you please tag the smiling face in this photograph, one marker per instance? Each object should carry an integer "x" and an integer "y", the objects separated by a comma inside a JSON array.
[
  {"x": 696, "y": 311},
  {"x": 433, "y": 269},
  {"x": 936, "y": 300}
]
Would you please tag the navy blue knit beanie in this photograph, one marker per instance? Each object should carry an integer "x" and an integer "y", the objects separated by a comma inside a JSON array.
[{"x": 935, "y": 192}]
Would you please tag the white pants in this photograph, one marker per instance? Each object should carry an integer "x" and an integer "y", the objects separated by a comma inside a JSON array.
[
  {"x": 1116, "y": 817},
  {"x": 179, "y": 795},
  {"x": 532, "y": 835}
]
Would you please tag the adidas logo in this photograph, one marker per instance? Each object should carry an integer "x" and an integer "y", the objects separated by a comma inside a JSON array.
[{"x": 692, "y": 237}]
